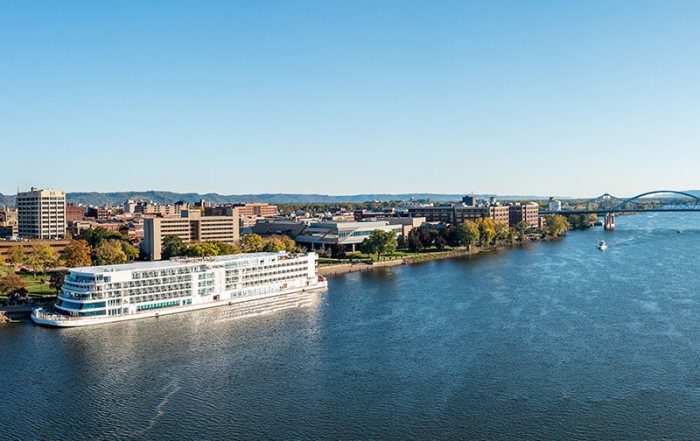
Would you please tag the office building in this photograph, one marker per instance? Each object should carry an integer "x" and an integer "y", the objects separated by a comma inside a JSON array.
[
  {"x": 528, "y": 213},
  {"x": 74, "y": 213},
  {"x": 458, "y": 213},
  {"x": 191, "y": 226},
  {"x": 41, "y": 214}
]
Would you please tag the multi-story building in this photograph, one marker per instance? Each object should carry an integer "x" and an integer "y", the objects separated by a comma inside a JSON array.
[
  {"x": 350, "y": 234},
  {"x": 8, "y": 222},
  {"x": 191, "y": 226},
  {"x": 528, "y": 213},
  {"x": 458, "y": 213},
  {"x": 554, "y": 205},
  {"x": 256, "y": 209},
  {"x": 41, "y": 214},
  {"x": 74, "y": 213}
]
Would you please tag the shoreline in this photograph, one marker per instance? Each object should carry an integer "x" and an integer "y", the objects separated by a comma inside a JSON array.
[{"x": 346, "y": 268}]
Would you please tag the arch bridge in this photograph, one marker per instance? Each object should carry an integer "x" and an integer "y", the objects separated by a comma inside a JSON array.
[{"x": 609, "y": 205}]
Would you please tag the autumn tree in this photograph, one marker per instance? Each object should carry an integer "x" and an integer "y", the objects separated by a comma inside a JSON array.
[
  {"x": 11, "y": 283},
  {"x": 42, "y": 257},
  {"x": 110, "y": 252},
  {"x": 226, "y": 249},
  {"x": 274, "y": 244},
  {"x": 251, "y": 243},
  {"x": 202, "y": 249},
  {"x": 76, "y": 253},
  {"x": 487, "y": 230},
  {"x": 16, "y": 255},
  {"x": 469, "y": 233},
  {"x": 556, "y": 225}
]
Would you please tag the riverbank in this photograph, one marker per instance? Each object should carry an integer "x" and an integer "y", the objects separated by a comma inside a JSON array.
[{"x": 344, "y": 268}]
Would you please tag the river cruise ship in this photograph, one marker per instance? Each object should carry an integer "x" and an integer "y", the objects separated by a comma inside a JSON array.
[{"x": 110, "y": 293}]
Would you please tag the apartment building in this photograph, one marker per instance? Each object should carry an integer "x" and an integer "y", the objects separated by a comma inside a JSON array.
[
  {"x": 191, "y": 226},
  {"x": 528, "y": 213},
  {"x": 41, "y": 214}
]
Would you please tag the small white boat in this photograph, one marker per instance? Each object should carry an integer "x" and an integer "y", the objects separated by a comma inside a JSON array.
[{"x": 602, "y": 245}]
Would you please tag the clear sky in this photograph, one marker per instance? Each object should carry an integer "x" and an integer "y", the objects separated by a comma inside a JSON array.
[{"x": 511, "y": 97}]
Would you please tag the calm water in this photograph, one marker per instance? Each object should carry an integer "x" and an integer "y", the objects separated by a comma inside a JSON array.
[{"x": 552, "y": 341}]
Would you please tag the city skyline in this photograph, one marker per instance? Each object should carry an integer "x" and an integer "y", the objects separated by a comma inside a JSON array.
[{"x": 369, "y": 97}]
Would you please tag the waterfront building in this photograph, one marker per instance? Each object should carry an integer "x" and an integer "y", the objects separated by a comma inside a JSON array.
[
  {"x": 313, "y": 234},
  {"x": 41, "y": 214},
  {"x": 458, "y": 213},
  {"x": 103, "y": 294},
  {"x": 191, "y": 226},
  {"x": 528, "y": 213},
  {"x": 350, "y": 234}
]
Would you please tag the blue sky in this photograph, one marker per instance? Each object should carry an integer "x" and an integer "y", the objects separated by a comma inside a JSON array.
[{"x": 343, "y": 97}]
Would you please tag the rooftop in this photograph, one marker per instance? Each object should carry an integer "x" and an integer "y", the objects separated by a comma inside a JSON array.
[{"x": 162, "y": 264}]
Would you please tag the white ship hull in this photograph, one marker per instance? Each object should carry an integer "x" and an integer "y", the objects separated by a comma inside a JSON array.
[{"x": 260, "y": 304}]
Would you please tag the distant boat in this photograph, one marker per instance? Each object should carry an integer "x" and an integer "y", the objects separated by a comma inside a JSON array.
[
  {"x": 602, "y": 245},
  {"x": 678, "y": 231}
]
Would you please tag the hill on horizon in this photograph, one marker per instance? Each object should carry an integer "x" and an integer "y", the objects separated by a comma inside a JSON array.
[{"x": 117, "y": 198}]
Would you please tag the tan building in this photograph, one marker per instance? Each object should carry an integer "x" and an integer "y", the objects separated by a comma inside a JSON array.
[
  {"x": 407, "y": 223},
  {"x": 41, "y": 214},
  {"x": 5, "y": 245},
  {"x": 190, "y": 227},
  {"x": 8, "y": 222},
  {"x": 257, "y": 210}
]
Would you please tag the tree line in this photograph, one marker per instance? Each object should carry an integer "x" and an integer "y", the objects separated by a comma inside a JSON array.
[{"x": 174, "y": 246}]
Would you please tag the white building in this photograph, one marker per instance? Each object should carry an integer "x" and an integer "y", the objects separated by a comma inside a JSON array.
[
  {"x": 554, "y": 205},
  {"x": 41, "y": 214}
]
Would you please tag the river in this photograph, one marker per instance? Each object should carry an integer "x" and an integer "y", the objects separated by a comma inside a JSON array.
[{"x": 554, "y": 340}]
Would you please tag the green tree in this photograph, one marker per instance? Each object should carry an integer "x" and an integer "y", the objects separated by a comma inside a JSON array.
[
  {"x": 521, "y": 229},
  {"x": 289, "y": 244},
  {"x": 556, "y": 225},
  {"x": 11, "y": 283},
  {"x": 56, "y": 281},
  {"x": 76, "y": 253},
  {"x": 380, "y": 242},
  {"x": 471, "y": 233},
  {"x": 274, "y": 244},
  {"x": 173, "y": 246},
  {"x": 252, "y": 243},
  {"x": 487, "y": 230},
  {"x": 110, "y": 252},
  {"x": 414, "y": 241},
  {"x": 202, "y": 249},
  {"x": 131, "y": 252},
  {"x": 502, "y": 232},
  {"x": 42, "y": 257},
  {"x": 226, "y": 249},
  {"x": 16, "y": 255}
]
